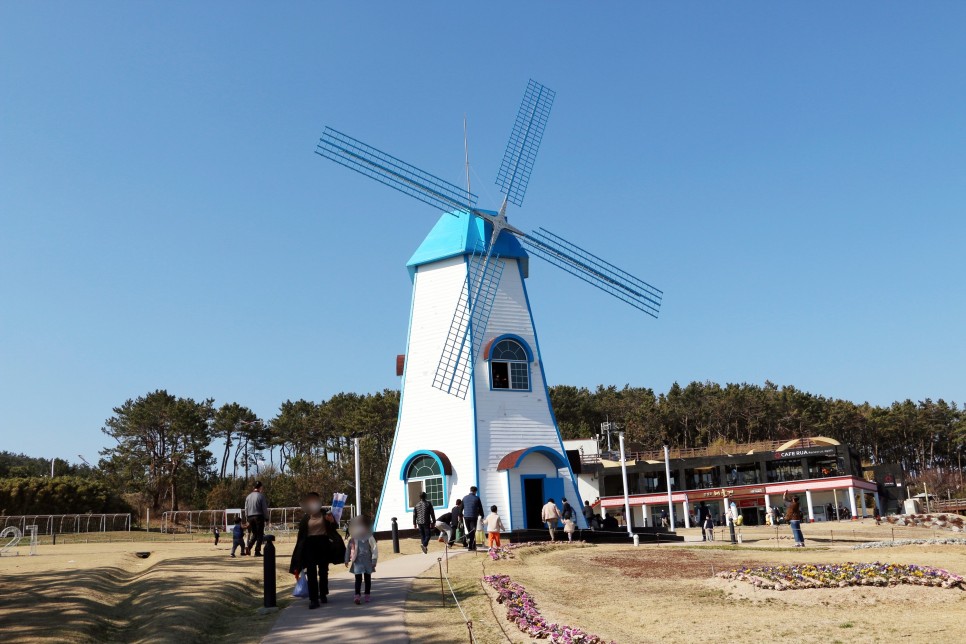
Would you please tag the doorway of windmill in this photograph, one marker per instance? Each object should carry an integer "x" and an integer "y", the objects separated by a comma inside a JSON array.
[{"x": 533, "y": 502}]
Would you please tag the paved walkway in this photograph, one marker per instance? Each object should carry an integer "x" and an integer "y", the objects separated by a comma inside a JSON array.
[{"x": 340, "y": 620}]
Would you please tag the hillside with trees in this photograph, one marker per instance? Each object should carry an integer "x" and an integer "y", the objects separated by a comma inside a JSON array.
[{"x": 179, "y": 453}]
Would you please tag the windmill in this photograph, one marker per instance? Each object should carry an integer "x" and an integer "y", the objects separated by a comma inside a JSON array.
[{"x": 471, "y": 248}]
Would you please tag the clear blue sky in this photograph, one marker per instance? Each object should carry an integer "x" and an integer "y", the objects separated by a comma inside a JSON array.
[{"x": 794, "y": 178}]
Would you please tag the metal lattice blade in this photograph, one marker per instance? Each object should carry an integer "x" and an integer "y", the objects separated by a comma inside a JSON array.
[
  {"x": 472, "y": 315},
  {"x": 387, "y": 169},
  {"x": 521, "y": 150},
  {"x": 594, "y": 270}
]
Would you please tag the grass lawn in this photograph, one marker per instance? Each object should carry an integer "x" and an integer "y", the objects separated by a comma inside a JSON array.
[
  {"x": 185, "y": 591},
  {"x": 667, "y": 594}
]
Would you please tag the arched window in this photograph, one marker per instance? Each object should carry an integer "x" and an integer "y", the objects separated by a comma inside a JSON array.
[
  {"x": 424, "y": 475},
  {"x": 509, "y": 366}
]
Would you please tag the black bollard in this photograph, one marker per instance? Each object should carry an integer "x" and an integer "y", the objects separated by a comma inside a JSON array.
[
  {"x": 268, "y": 570},
  {"x": 395, "y": 536}
]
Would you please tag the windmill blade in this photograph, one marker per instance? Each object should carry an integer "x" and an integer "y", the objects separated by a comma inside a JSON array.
[
  {"x": 521, "y": 150},
  {"x": 468, "y": 326},
  {"x": 387, "y": 169},
  {"x": 593, "y": 270}
]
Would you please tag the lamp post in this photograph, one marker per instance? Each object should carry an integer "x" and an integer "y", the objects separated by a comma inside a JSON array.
[
  {"x": 627, "y": 502},
  {"x": 355, "y": 448},
  {"x": 670, "y": 499}
]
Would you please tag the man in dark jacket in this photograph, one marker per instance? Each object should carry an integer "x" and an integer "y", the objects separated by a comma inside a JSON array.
[
  {"x": 424, "y": 516},
  {"x": 472, "y": 511},
  {"x": 457, "y": 523}
]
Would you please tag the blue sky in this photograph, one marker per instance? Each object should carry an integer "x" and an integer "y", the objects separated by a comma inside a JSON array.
[{"x": 792, "y": 177}]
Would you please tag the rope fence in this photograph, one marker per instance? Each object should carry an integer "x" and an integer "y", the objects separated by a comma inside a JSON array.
[{"x": 444, "y": 579}]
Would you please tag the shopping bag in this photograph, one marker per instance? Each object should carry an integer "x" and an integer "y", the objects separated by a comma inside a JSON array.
[{"x": 301, "y": 586}]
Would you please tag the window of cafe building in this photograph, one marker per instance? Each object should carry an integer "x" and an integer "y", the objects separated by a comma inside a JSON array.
[
  {"x": 702, "y": 477},
  {"x": 651, "y": 482},
  {"x": 744, "y": 474},
  {"x": 790, "y": 470},
  {"x": 823, "y": 467}
]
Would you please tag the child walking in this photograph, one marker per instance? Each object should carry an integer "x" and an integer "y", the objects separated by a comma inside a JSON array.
[
  {"x": 709, "y": 527},
  {"x": 494, "y": 526},
  {"x": 237, "y": 537},
  {"x": 361, "y": 555}
]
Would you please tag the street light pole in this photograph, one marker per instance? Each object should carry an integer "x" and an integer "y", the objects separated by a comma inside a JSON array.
[
  {"x": 355, "y": 441},
  {"x": 627, "y": 502},
  {"x": 670, "y": 499}
]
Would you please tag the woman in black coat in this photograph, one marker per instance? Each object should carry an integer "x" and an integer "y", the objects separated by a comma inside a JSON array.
[{"x": 318, "y": 544}]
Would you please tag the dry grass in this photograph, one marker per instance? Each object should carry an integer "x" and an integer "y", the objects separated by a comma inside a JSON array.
[
  {"x": 667, "y": 594},
  {"x": 186, "y": 591}
]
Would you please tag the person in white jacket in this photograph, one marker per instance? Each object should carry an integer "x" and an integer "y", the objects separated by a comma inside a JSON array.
[
  {"x": 550, "y": 515},
  {"x": 494, "y": 526}
]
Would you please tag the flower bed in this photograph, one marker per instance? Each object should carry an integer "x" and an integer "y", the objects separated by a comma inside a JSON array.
[
  {"x": 506, "y": 551},
  {"x": 952, "y": 541},
  {"x": 842, "y": 575},
  {"x": 521, "y": 609}
]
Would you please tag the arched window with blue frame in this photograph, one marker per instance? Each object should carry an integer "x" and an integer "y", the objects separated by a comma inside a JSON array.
[
  {"x": 509, "y": 359},
  {"x": 426, "y": 471}
]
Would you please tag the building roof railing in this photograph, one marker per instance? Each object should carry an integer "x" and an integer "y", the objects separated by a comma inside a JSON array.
[{"x": 717, "y": 449}]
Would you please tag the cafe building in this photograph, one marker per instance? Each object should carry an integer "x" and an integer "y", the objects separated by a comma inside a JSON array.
[{"x": 826, "y": 475}]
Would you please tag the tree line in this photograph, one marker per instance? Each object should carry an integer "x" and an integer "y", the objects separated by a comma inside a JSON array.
[
  {"x": 169, "y": 452},
  {"x": 927, "y": 435}
]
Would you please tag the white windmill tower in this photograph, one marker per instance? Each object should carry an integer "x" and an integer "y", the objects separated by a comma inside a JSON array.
[{"x": 475, "y": 409}]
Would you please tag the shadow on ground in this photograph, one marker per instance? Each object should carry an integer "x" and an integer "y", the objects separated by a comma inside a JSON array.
[{"x": 185, "y": 599}]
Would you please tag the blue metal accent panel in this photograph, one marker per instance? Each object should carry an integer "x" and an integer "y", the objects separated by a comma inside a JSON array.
[
  {"x": 581, "y": 522},
  {"x": 521, "y": 150},
  {"x": 463, "y": 234},
  {"x": 594, "y": 270},
  {"x": 387, "y": 169}
]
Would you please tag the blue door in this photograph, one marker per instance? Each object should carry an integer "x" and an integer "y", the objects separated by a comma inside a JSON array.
[{"x": 554, "y": 489}]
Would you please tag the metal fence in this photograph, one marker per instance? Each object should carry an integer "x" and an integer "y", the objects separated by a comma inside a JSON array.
[
  {"x": 280, "y": 520},
  {"x": 48, "y": 524}
]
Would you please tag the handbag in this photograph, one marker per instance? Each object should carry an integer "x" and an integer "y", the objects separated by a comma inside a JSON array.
[
  {"x": 301, "y": 586},
  {"x": 338, "y": 550}
]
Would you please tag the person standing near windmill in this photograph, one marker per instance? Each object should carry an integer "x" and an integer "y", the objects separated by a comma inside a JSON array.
[
  {"x": 424, "y": 516},
  {"x": 472, "y": 512},
  {"x": 256, "y": 511},
  {"x": 551, "y": 515}
]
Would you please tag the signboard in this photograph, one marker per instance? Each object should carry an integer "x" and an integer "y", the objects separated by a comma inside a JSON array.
[
  {"x": 806, "y": 451},
  {"x": 721, "y": 493}
]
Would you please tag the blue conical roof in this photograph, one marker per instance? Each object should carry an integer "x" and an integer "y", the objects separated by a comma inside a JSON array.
[{"x": 460, "y": 233}]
